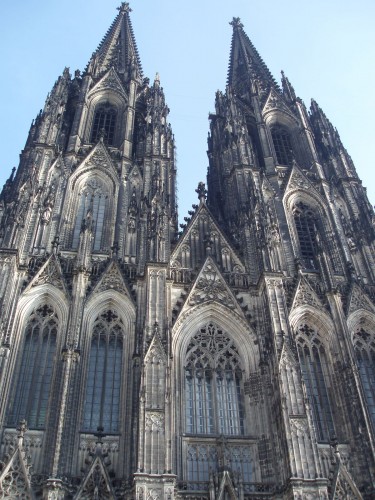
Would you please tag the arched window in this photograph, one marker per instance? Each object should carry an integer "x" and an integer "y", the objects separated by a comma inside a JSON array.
[
  {"x": 304, "y": 219},
  {"x": 314, "y": 371},
  {"x": 103, "y": 386},
  {"x": 213, "y": 384},
  {"x": 93, "y": 197},
  {"x": 364, "y": 345},
  {"x": 104, "y": 124},
  {"x": 35, "y": 369},
  {"x": 282, "y": 144},
  {"x": 214, "y": 407}
]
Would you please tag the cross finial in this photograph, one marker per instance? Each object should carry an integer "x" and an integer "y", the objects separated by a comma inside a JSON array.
[
  {"x": 124, "y": 7},
  {"x": 236, "y": 23}
]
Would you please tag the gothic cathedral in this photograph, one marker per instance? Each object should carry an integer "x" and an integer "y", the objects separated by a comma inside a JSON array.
[{"x": 234, "y": 359}]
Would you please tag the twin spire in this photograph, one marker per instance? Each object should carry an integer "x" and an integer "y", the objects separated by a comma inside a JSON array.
[{"x": 118, "y": 49}]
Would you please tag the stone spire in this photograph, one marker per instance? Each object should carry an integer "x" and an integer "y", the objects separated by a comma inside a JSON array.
[
  {"x": 245, "y": 64},
  {"x": 118, "y": 48}
]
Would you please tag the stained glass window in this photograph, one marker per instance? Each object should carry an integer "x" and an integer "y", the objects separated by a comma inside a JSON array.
[
  {"x": 282, "y": 144},
  {"x": 103, "y": 386},
  {"x": 307, "y": 235},
  {"x": 35, "y": 369},
  {"x": 213, "y": 384},
  {"x": 104, "y": 124},
  {"x": 312, "y": 358},
  {"x": 364, "y": 344},
  {"x": 93, "y": 198}
]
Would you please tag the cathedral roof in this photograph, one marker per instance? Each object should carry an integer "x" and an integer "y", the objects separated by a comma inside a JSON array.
[{"x": 118, "y": 47}]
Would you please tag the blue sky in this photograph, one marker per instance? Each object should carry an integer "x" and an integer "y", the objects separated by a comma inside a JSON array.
[{"x": 327, "y": 50}]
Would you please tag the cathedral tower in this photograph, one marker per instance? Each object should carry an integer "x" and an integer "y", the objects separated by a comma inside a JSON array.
[{"x": 235, "y": 359}]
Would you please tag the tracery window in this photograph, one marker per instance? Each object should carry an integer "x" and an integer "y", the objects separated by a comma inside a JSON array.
[
  {"x": 35, "y": 369},
  {"x": 213, "y": 384},
  {"x": 104, "y": 124},
  {"x": 313, "y": 363},
  {"x": 282, "y": 144},
  {"x": 304, "y": 219},
  {"x": 364, "y": 345},
  {"x": 93, "y": 199},
  {"x": 103, "y": 386}
]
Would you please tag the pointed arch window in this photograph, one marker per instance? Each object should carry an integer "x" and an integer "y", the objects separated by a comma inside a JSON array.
[
  {"x": 364, "y": 345},
  {"x": 304, "y": 219},
  {"x": 283, "y": 145},
  {"x": 93, "y": 198},
  {"x": 35, "y": 369},
  {"x": 103, "y": 388},
  {"x": 213, "y": 384},
  {"x": 313, "y": 363},
  {"x": 214, "y": 409},
  {"x": 104, "y": 124}
]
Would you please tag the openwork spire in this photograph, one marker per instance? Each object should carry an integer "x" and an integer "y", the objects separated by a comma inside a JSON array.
[
  {"x": 245, "y": 63},
  {"x": 118, "y": 47}
]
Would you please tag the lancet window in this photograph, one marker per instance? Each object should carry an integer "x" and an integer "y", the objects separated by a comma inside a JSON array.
[
  {"x": 304, "y": 219},
  {"x": 313, "y": 363},
  {"x": 364, "y": 345},
  {"x": 213, "y": 384},
  {"x": 282, "y": 144},
  {"x": 35, "y": 369},
  {"x": 92, "y": 206},
  {"x": 103, "y": 387},
  {"x": 104, "y": 124}
]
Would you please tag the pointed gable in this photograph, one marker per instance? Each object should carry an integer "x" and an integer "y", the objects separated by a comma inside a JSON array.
[
  {"x": 97, "y": 483},
  {"x": 98, "y": 159},
  {"x": 15, "y": 478},
  {"x": 210, "y": 286},
  {"x": 112, "y": 279},
  {"x": 359, "y": 300},
  {"x": 287, "y": 356},
  {"x": 50, "y": 273},
  {"x": 305, "y": 295},
  {"x": 298, "y": 180},
  {"x": 203, "y": 231},
  {"x": 156, "y": 350},
  {"x": 110, "y": 81},
  {"x": 275, "y": 102},
  {"x": 343, "y": 485},
  {"x": 226, "y": 488}
]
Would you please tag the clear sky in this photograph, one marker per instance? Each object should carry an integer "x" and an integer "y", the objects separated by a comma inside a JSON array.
[{"x": 326, "y": 48}]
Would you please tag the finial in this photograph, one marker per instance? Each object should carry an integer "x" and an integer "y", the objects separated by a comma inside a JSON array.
[
  {"x": 22, "y": 428},
  {"x": 201, "y": 190},
  {"x": 124, "y": 7},
  {"x": 157, "y": 79},
  {"x": 236, "y": 23}
]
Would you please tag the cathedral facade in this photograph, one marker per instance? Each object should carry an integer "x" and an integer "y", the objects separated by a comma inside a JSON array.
[{"x": 234, "y": 359}]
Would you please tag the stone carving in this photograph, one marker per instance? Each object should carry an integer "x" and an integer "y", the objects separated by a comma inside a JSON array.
[
  {"x": 50, "y": 274},
  {"x": 210, "y": 286},
  {"x": 306, "y": 295},
  {"x": 299, "y": 424},
  {"x": 298, "y": 181},
  {"x": 358, "y": 300},
  {"x": 275, "y": 102},
  {"x": 155, "y": 421},
  {"x": 110, "y": 81},
  {"x": 96, "y": 484},
  {"x": 112, "y": 280}
]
